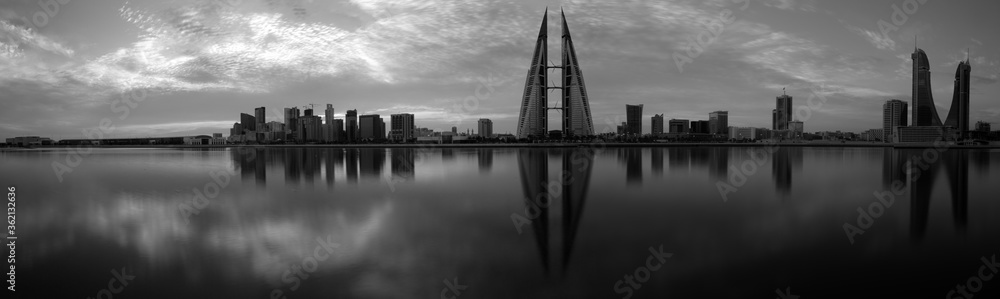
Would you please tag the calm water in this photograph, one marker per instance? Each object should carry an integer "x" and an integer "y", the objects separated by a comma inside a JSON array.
[{"x": 406, "y": 220}]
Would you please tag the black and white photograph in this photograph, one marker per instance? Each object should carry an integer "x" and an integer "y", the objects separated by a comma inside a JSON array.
[{"x": 450, "y": 149}]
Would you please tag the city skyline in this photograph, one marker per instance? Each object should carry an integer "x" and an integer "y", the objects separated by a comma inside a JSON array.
[{"x": 59, "y": 83}]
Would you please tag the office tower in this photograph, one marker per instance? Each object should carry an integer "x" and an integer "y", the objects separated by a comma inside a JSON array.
[
  {"x": 782, "y": 114},
  {"x": 633, "y": 117},
  {"x": 330, "y": 131},
  {"x": 309, "y": 112},
  {"x": 774, "y": 119},
  {"x": 700, "y": 127},
  {"x": 292, "y": 123},
  {"x": 718, "y": 122},
  {"x": 236, "y": 130},
  {"x": 621, "y": 128},
  {"x": 260, "y": 116},
  {"x": 381, "y": 129},
  {"x": 485, "y": 128},
  {"x": 958, "y": 116},
  {"x": 371, "y": 127},
  {"x": 454, "y": 130},
  {"x": 894, "y": 114},
  {"x": 680, "y": 126},
  {"x": 338, "y": 130},
  {"x": 924, "y": 112},
  {"x": 249, "y": 122},
  {"x": 797, "y": 129},
  {"x": 402, "y": 127},
  {"x": 657, "y": 124},
  {"x": 351, "y": 127},
  {"x": 576, "y": 118},
  {"x": 312, "y": 128}
]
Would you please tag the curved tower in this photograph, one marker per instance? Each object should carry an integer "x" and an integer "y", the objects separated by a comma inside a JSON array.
[
  {"x": 924, "y": 112},
  {"x": 958, "y": 116}
]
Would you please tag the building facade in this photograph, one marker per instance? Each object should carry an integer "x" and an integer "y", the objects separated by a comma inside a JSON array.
[
  {"x": 718, "y": 122},
  {"x": 485, "y": 128},
  {"x": 633, "y": 119},
  {"x": 657, "y": 124},
  {"x": 782, "y": 114},
  {"x": 894, "y": 114},
  {"x": 371, "y": 127},
  {"x": 680, "y": 126},
  {"x": 402, "y": 127},
  {"x": 351, "y": 126}
]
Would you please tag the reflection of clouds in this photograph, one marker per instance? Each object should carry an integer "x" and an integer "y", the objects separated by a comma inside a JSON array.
[{"x": 266, "y": 244}]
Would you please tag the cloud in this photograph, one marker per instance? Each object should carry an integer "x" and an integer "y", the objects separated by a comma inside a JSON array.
[{"x": 875, "y": 38}]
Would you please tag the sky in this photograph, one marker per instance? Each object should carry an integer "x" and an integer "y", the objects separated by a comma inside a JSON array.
[{"x": 185, "y": 67}]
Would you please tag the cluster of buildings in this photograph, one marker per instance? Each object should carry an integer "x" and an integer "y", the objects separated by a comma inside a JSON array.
[
  {"x": 305, "y": 126},
  {"x": 716, "y": 125},
  {"x": 919, "y": 121}
]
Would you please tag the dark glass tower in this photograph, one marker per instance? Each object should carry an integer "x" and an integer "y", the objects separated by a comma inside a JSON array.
[
  {"x": 924, "y": 112},
  {"x": 958, "y": 116}
]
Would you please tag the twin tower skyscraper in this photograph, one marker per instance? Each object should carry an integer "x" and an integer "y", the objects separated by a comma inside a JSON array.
[{"x": 576, "y": 119}]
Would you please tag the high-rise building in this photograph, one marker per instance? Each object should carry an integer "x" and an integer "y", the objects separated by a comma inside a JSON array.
[
  {"x": 351, "y": 127},
  {"x": 718, "y": 122},
  {"x": 338, "y": 130},
  {"x": 680, "y": 126},
  {"x": 402, "y": 127},
  {"x": 485, "y": 128},
  {"x": 312, "y": 128},
  {"x": 923, "y": 113},
  {"x": 329, "y": 131},
  {"x": 576, "y": 118},
  {"x": 454, "y": 130},
  {"x": 782, "y": 114},
  {"x": 236, "y": 130},
  {"x": 657, "y": 124},
  {"x": 249, "y": 123},
  {"x": 292, "y": 123},
  {"x": 894, "y": 114},
  {"x": 633, "y": 118},
  {"x": 371, "y": 127},
  {"x": 261, "y": 117},
  {"x": 958, "y": 116}
]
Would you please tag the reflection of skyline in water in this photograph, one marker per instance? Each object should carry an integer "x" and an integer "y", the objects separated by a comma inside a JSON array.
[
  {"x": 904, "y": 166},
  {"x": 123, "y": 212},
  {"x": 574, "y": 178}
]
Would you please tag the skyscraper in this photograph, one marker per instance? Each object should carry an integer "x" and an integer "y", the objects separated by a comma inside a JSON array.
[
  {"x": 958, "y": 116},
  {"x": 249, "y": 122},
  {"x": 633, "y": 119},
  {"x": 485, "y": 128},
  {"x": 718, "y": 122},
  {"x": 657, "y": 124},
  {"x": 260, "y": 116},
  {"x": 924, "y": 112},
  {"x": 292, "y": 123},
  {"x": 894, "y": 114},
  {"x": 351, "y": 128},
  {"x": 402, "y": 127},
  {"x": 576, "y": 118},
  {"x": 782, "y": 114},
  {"x": 328, "y": 125},
  {"x": 371, "y": 127}
]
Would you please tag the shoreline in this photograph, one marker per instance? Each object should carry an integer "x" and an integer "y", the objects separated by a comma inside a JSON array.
[{"x": 527, "y": 145}]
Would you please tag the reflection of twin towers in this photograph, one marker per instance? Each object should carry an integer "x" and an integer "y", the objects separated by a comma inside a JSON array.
[
  {"x": 541, "y": 195},
  {"x": 955, "y": 164}
]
